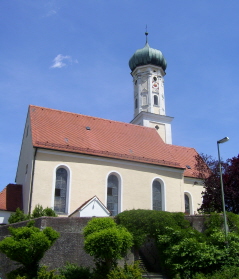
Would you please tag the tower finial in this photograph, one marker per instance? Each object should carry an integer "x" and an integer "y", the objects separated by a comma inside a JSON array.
[{"x": 146, "y": 34}]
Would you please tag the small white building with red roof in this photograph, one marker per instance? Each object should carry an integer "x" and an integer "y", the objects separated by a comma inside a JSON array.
[{"x": 67, "y": 158}]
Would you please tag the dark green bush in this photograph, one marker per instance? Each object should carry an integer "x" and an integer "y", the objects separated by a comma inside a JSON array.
[
  {"x": 27, "y": 246},
  {"x": 127, "y": 272},
  {"x": 18, "y": 216},
  {"x": 38, "y": 211},
  {"x": 228, "y": 272},
  {"x": 149, "y": 223},
  {"x": 73, "y": 271},
  {"x": 41, "y": 274}
]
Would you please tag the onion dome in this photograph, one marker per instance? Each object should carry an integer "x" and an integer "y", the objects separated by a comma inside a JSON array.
[{"x": 147, "y": 55}]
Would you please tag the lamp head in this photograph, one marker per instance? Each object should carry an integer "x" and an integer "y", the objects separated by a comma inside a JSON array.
[{"x": 223, "y": 140}]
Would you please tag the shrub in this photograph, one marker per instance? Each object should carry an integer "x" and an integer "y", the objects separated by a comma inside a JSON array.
[
  {"x": 97, "y": 224},
  {"x": 27, "y": 245},
  {"x": 127, "y": 272},
  {"x": 39, "y": 211},
  {"x": 42, "y": 273},
  {"x": 73, "y": 271},
  {"x": 228, "y": 272},
  {"x": 18, "y": 216},
  {"x": 107, "y": 243},
  {"x": 149, "y": 223}
]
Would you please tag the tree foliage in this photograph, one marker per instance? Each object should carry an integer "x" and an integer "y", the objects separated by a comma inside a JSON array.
[
  {"x": 212, "y": 197},
  {"x": 183, "y": 250},
  {"x": 143, "y": 223},
  {"x": 27, "y": 245},
  {"x": 37, "y": 212},
  {"x": 18, "y": 216},
  {"x": 107, "y": 243},
  {"x": 73, "y": 271},
  {"x": 127, "y": 272}
]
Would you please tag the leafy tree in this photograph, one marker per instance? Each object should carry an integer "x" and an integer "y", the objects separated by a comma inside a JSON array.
[
  {"x": 39, "y": 211},
  {"x": 18, "y": 216},
  {"x": 107, "y": 243},
  {"x": 27, "y": 246},
  {"x": 212, "y": 198}
]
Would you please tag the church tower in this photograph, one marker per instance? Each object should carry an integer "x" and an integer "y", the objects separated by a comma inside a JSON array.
[{"x": 148, "y": 67}]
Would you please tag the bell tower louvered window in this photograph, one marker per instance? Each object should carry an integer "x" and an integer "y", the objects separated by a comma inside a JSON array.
[
  {"x": 113, "y": 194},
  {"x": 60, "y": 190}
]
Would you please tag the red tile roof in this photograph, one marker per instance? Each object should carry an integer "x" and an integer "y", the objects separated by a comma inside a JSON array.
[
  {"x": 64, "y": 131},
  {"x": 187, "y": 157},
  {"x": 59, "y": 130},
  {"x": 11, "y": 197}
]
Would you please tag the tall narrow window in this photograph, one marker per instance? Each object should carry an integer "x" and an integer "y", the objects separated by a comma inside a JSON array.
[
  {"x": 187, "y": 204},
  {"x": 60, "y": 190},
  {"x": 136, "y": 103},
  {"x": 113, "y": 194},
  {"x": 156, "y": 100},
  {"x": 157, "y": 195}
]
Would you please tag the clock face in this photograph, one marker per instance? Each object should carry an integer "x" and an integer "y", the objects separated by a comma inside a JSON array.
[{"x": 155, "y": 85}]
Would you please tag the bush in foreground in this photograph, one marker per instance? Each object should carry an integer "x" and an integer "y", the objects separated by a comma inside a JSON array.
[
  {"x": 27, "y": 245},
  {"x": 73, "y": 271},
  {"x": 127, "y": 272}
]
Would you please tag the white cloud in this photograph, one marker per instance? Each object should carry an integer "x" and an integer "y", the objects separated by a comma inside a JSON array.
[
  {"x": 58, "y": 61},
  {"x": 51, "y": 13}
]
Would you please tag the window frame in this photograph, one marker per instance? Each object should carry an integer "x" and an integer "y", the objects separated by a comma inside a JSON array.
[
  {"x": 163, "y": 192},
  {"x": 68, "y": 184},
  {"x": 120, "y": 187},
  {"x": 189, "y": 195}
]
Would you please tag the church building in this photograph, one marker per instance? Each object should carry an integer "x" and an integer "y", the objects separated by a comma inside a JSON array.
[{"x": 87, "y": 166}]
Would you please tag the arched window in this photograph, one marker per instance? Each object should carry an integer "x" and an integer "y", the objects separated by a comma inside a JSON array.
[
  {"x": 157, "y": 196},
  {"x": 60, "y": 199},
  {"x": 113, "y": 194},
  {"x": 187, "y": 204},
  {"x": 156, "y": 100}
]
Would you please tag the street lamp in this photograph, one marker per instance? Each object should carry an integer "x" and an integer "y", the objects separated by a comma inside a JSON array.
[{"x": 220, "y": 170}]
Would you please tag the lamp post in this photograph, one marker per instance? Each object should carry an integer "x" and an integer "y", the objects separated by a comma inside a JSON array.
[{"x": 220, "y": 170}]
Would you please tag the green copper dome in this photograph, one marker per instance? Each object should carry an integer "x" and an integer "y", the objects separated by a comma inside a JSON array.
[{"x": 147, "y": 55}]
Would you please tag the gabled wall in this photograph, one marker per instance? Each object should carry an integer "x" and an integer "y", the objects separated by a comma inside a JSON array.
[{"x": 25, "y": 162}]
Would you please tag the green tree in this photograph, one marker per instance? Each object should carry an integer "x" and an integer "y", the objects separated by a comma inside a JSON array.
[
  {"x": 37, "y": 212},
  {"x": 18, "y": 216},
  {"x": 27, "y": 246},
  {"x": 107, "y": 243}
]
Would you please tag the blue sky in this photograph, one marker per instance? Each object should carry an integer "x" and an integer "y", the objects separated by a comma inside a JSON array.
[{"x": 73, "y": 56}]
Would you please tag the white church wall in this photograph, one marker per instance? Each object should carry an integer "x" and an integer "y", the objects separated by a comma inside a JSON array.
[
  {"x": 194, "y": 188},
  {"x": 89, "y": 178},
  {"x": 24, "y": 170}
]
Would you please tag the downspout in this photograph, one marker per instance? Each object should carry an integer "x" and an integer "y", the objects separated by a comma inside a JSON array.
[{"x": 32, "y": 175}]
